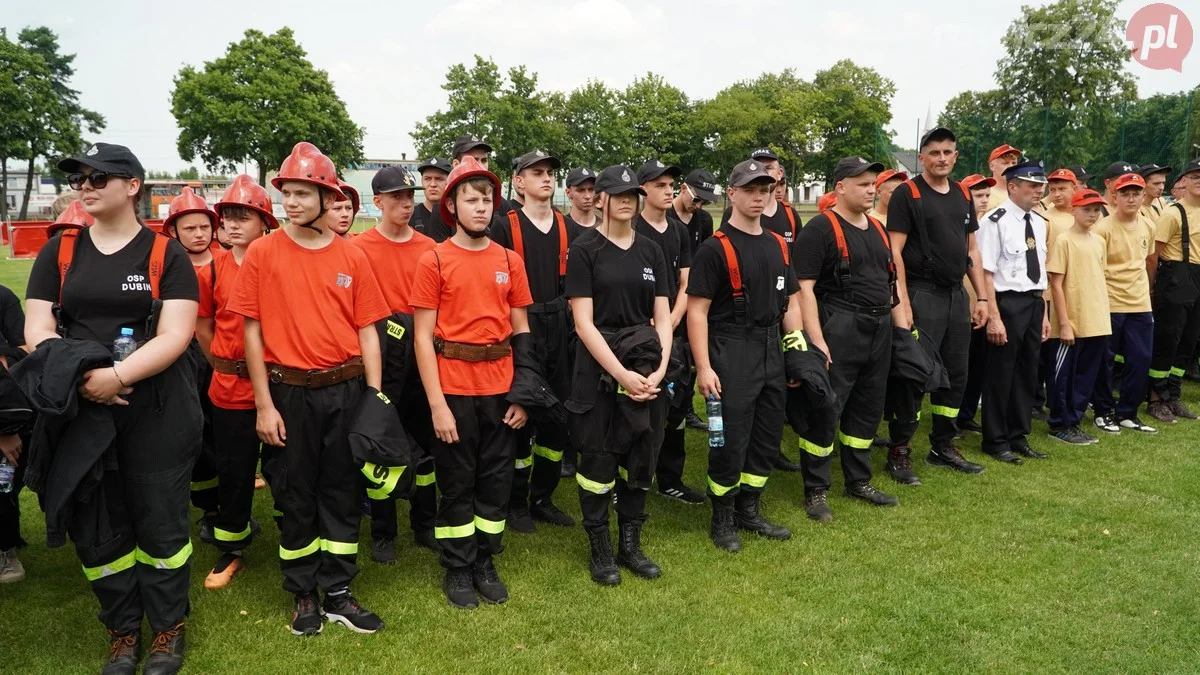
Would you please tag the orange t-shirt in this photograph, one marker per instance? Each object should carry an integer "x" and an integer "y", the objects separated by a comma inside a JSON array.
[
  {"x": 229, "y": 338},
  {"x": 394, "y": 264},
  {"x": 473, "y": 292},
  {"x": 311, "y": 302}
]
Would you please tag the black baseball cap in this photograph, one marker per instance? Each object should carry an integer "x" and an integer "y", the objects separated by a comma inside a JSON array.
[
  {"x": 1118, "y": 169},
  {"x": 703, "y": 184},
  {"x": 849, "y": 167},
  {"x": 617, "y": 179},
  {"x": 580, "y": 175},
  {"x": 654, "y": 168},
  {"x": 467, "y": 143},
  {"x": 393, "y": 179},
  {"x": 439, "y": 163},
  {"x": 106, "y": 157},
  {"x": 1080, "y": 172},
  {"x": 764, "y": 153},
  {"x": 936, "y": 134},
  {"x": 748, "y": 172},
  {"x": 1191, "y": 167},
  {"x": 530, "y": 158},
  {"x": 1147, "y": 170}
]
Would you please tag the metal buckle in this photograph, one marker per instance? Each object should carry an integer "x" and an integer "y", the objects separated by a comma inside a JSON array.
[{"x": 276, "y": 376}]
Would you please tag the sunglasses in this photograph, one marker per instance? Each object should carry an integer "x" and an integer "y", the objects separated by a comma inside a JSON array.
[
  {"x": 97, "y": 179},
  {"x": 695, "y": 200}
]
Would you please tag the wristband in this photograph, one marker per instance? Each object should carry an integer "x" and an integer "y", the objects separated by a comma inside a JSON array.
[
  {"x": 980, "y": 299},
  {"x": 119, "y": 377}
]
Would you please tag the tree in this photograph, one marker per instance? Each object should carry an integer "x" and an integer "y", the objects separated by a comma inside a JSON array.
[
  {"x": 190, "y": 173},
  {"x": 471, "y": 108},
  {"x": 523, "y": 121},
  {"x": 981, "y": 122},
  {"x": 854, "y": 105},
  {"x": 595, "y": 134},
  {"x": 18, "y": 75},
  {"x": 256, "y": 102},
  {"x": 658, "y": 117},
  {"x": 1157, "y": 130}
]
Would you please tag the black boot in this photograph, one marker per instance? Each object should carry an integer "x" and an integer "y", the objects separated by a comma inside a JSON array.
[
  {"x": 603, "y": 567},
  {"x": 630, "y": 554},
  {"x": 166, "y": 654},
  {"x": 749, "y": 517},
  {"x": 724, "y": 525},
  {"x": 123, "y": 653}
]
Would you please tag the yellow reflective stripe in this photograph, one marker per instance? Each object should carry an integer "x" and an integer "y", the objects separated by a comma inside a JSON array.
[
  {"x": 623, "y": 473},
  {"x": 795, "y": 340},
  {"x": 1159, "y": 374},
  {"x": 944, "y": 411},
  {"x": 718, "y": 490},
  {"x": 199, "y": 486},
  {"x": 523, "y": 462},
  {"x": 226, "y": 535},
  {"x": 552, "y": 455},
  {"x": 108, "y": 569},
  {"x": 1119, "y": 359},
  {"x": 1177, "y": 372},
  {"x": 384, "y": 479},
  {"x": 339, "y": 547},
  {"x": 592, "y": 486},
  {"x": 424, "y": 479},
  {"x": 814, "y": 449},
  {"x": 854, "y": 441},
  {"x": 489, "y": 526},
  {"x": 172, "y": 563},
  {"x": 290, "y": 554},
  {"x": 454, "y": 531},
  {"x": 753, "y": 481}
]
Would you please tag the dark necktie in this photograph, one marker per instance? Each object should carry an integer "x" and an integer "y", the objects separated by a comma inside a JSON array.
[{"x": 1032, "y": 267}]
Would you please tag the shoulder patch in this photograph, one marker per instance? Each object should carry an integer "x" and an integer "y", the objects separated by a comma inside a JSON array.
[{"x": 996, "y": 215}]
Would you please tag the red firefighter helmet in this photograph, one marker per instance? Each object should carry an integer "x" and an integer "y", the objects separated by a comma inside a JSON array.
[
  {"x": 469, "y": 167},
  {"x": 245, "y": 191},
  {"x": 188, "y": 202},
  {"x": 306, "y": 164},
  {"x": 827, "y": 201},
  {"x": 72, "y": 217},
  {"x": 351, "y": 192}
]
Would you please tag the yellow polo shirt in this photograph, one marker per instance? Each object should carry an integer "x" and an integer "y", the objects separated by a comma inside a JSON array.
[
  {"x": 1169, "y": 230},
  {"x": 1080, "y": 258}
]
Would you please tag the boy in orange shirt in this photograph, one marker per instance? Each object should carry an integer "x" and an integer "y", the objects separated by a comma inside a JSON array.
[
  {"x": 310, "y": 304},
  {"x": 469, "y": 297}
]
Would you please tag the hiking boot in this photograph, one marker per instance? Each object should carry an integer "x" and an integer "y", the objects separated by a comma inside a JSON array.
[
  {"x": 425, "y": 539},
  {"x": 899, "y": 466},
  {"x": 1161, "y": 411},
  {"x": 948, "y": 456},
  {"x": 568, "y": 470},
  {"x": 862, "y": 489},
  {"x": 630, "y": 555},
  {"x": 723, "y": 529},
  {"x": 519, "y": 520},
  {"x": 1072, "y": 436},
  {"x": 602, "y": 565},
  {"x": 816, "y": 504},
  {"x": 344, "y": 609},
  {"x": 681, "y": 493},
  {"x": 748, "y": 515},
  {"x": 383, "y": 551},
  {"x": 881, "y": 442},
  {"x": 1181, "y": 410},
  {"x": 1192, "y": 373},
  {"x": 487, "y": 582},
  {"x": 545, "y": 511},
  {"x": 693, "y": 421},
  {"x": 1107, "y": 424},
  {"x": 204, "y": 528},
  {"x": 782, "y": 463},
  {"x": 123, "y": 653},
  {"x": 227, "y": 566},
  {"x": 306, "y": 617},
  {"x": 11, "y": 569},
  {"x": 166, "y": 653},
  {"x": 1137, "y": 425},
  {"x": 459, "y": 588}
]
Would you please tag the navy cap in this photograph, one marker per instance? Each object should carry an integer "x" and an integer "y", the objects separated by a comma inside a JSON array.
[
  {"x": 579, "y": 175},
  {"x": 1118, "y": 169},
  {"x": 764, "y": 153},
  {"x": 748, "y": 172},
  {"x": 393, "y": 179},
  {"x": 1080, "y": 172},
  {"x": 467, "y": 143},
  {"x": 439, "y": 163},
  {"x": 654, "y": 168},
  {"x": 703, "y": 183},
  {"x": 849, "y": 167},
  {"x": 936, "y": 134},
  {"x": 106, "y": 157},
  {"x": 1031, "y": 170},
  {"x": 530, "y": 158},
  {"x": 617, "y": 179},
  {"x": 1147, "y": 170}
]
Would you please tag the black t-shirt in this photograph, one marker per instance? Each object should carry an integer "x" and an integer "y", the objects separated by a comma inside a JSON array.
[
  {"x": 949, "y": 218},
  {"x": 578, "y": 226},
  {"x": 429, "y": 223},
  {"x": 675, "y": 248},
  {"x": 104, "y": 293},
  {"x": 779, "y": 223},
  {"x": 621, "y": 283},
  {"x": 12, "y": 319},
  {"x": 816, "y": 256},
  {"x": 700, "y": 227},
  {"x": 541, "y": 253},
  {"x": 767, "y": 281}
]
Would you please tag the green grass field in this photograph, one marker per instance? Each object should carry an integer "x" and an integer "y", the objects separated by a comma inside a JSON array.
[{"x": 1086, "y": 562}]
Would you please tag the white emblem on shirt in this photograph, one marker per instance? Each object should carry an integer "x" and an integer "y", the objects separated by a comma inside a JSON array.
[
  {"x": 647, "y": 274},
  {"x": 779, "y": 283},
  {"x": 343, "y": 280},
  {"x": 135, "y": 282},
  {"x": 502, "y": 277}
]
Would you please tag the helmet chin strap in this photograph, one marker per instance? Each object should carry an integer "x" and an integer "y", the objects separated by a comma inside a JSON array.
[{"x": 320, "y": 214}]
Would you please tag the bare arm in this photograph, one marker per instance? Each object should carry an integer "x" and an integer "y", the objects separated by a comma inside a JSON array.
[
  {"x": 1065, "y": 333},
  {"x": 589, "y": 335},
  {"x": 424, "y": 321},
  {"x": 268, "y": 422},
  {"x": 898, "y": 240},
  {"x": 205, "y": 329},
  {"x": 664, "y": 323},
  {"x": 707, "y": 381},
  {"x": 1151, "y": 269},
  {"x": 806, "y": 300},
  {"x": 368, "y": 344},
  {"x": 176, "y": 325},
  {"x": 679, "y": 313},
  {"x": 975, "y": 272},
  {"x": 39, "y": 322}
]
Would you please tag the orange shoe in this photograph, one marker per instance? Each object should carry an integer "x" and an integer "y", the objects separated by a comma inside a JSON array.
[
  {"x": 222, "y": 573},
  {"x": 259, "y": 483}
]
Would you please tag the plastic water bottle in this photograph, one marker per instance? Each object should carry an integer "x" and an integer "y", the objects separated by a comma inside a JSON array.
[
  {"x": 716, "y": 423},
  {"x": 124, "y": 345},
  {"x": 7, "y": 471}
]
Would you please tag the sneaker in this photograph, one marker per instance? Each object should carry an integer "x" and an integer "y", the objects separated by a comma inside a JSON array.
[
  {"x": 11, "y": 569},
  {"x": 865, "y": 491},
  {"x": 306, "y": 618},
  {"x": 1072, "y": 436},
  {"x": 947, "y": 456},
  {"x": 344, "y": 609},
  {"x": 166, "y": 653},
  {"x": 816, "y": 505},
  {"x": 519, "y": 520},
  {"x": 1181, "y": 410},
  {"x": 693, "y": 421},
  {"x": 228, "y": 565},
  {"x": 899, "y": 466},
  {"x": 383, "y": 551},
  {"x": 681, "y": 493},
  {"x": 487, "y": 582},
  {"x": 124, "y": 650},
  {"x": 1136, "y": 424},
  {"x": 546, "y": 512},
  {"x": 1161, "y": 411},
  {"x": 1107, "y": 424},
  {"x": 426, "y": 539},
  {"x": 1040, "y": 414},
  {"x": 459, "y": 588}
]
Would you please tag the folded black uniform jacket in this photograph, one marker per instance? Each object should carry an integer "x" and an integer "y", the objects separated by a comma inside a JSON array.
[
  {"x": 812, "y": 407},
  {"x": 530, "y": 388},
  {"x": 917, "y": 361},
  {"x": 16, "y": 413},
  {"x": 381, "y": 446}
]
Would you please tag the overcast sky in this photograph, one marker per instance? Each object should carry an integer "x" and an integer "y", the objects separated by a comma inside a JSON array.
[{"x": 388, "y": 60}]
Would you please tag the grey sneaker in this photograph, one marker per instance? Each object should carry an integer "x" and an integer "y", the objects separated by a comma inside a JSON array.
[
  {"x": 1072, "y": 435},
  {"x": 11, "y": 570}
]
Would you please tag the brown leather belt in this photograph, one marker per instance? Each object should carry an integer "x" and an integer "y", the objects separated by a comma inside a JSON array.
[
  {"x": 316, "y": 379},
  {"x": 464, "y": 351},
  {"x": 230, "y": 367}
]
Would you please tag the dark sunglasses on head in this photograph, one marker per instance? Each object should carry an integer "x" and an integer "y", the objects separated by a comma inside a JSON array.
[
  {"x": 696, "y": 201},
  {"x": 98, "y": 179}
]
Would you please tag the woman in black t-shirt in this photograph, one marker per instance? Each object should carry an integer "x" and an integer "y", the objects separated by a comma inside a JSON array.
[
  {"x": 617, "y": 284},
  {"x": 132, "y": 536}
]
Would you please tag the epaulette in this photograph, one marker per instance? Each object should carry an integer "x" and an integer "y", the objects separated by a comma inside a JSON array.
[{"x": 996, "y": 215}]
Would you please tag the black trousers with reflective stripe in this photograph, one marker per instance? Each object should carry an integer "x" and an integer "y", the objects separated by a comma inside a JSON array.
[
  {"x": 144, "y": 569},
  {"x": 538, "y": 464},
  {"x": 317, "y": 486},
  {"x": 860, "y": 348},
  {"x": 1010, "y": 376},
  {"x": 474, "y": 477},
  {"x": 236, "y": 446},
  {"x": 204, "y": 474},
  {"x": 1176, "y": 328},
  {"x": 605, "y": 468},
  {"x": 413, "y": 407}
]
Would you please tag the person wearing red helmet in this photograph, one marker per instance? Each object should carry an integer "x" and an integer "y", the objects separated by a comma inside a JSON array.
[
  {"x": 245, "y": 212},
  {"x": 469, "y": 298},
  {"x": 885, "y": 185},
  {"x": 310, "y": 303},
  {"x": 999, "y": 160},
  {"x": 74, "y": 217},
  {"x": 342, "y": 214},
  {"x": 191, "y": 221}
]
